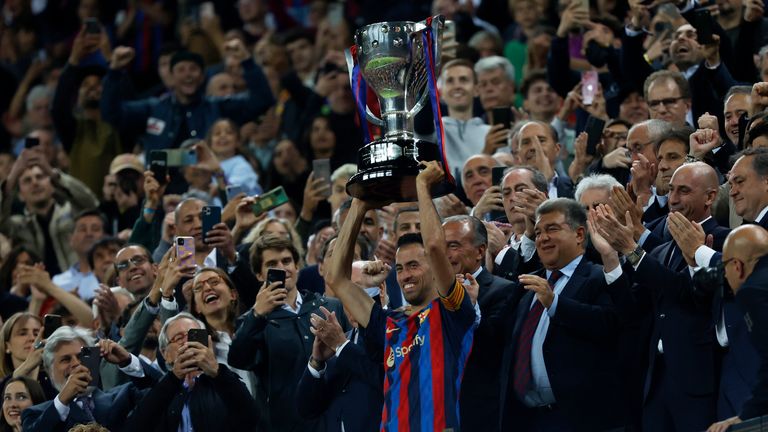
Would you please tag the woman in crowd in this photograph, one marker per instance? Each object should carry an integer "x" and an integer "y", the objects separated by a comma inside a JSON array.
[
  {"x": 224, "y": 141},
  {"x": 20, "y": 358},
  {"x": 18, "y": 394}
]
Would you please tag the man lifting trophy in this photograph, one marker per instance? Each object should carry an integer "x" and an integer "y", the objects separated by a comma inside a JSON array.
[{"x": 399, "y": 62}]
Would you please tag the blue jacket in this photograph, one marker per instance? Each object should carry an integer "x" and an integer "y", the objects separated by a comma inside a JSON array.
[{"x": 160, "y": 118}]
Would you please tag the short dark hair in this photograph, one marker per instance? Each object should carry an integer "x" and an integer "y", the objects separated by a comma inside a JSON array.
[
  {"x": 91, "y": 212},
  {"x": 479, "y": 232},
  {"x": 404, "y": 210},
  {"x": 738, "y": 89},
  {"x": 575, "y": 215},
  {"x": 296, "y": 34},
  {"x": 365, "y": 248},
  {"x": 758, "y": 130},
  {"x": 103, "y": 244},
  {"x": 681, "y": 134},
  {"x": 128, "y": 180},
  {"x": 410, "y": 238},
  {"x": 532, "y": 78},
  {"x": 537, "y": 178},
  {"x": 267, "y": 242},
  {"x": 759, "y": 161},
  {"x": 618, "y": 121}
]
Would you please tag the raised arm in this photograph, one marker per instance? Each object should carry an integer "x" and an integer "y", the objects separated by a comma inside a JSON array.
[
  {"x": 432, "y": 230},
  {"x": 354, "y": 299}
]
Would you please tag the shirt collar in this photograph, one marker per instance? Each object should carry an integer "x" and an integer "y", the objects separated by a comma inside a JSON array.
[
  {"x": 569, "y": 268},
  {"x": 761, "y": 215},
  {"x": 477, "y": 272},
  {"x": 299, "y": 301},
  {"x": 210, "y": 259}
]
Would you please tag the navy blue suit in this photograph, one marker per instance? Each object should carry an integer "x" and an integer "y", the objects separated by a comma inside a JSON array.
[
  {"x": 351, "y": 391},
  {"x": 579, "y": 352},
  {"x": 753, "y": 299},
  {"x": 479, "y": 400},
  {"x": 110, "y": 407},
  {"x": 682, "y": 380}
]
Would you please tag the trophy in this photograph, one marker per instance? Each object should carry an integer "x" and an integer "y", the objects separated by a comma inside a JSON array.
[{"x": 398, "y": 62}]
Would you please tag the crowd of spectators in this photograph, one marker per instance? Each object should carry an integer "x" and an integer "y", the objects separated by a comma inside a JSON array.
[{"x": 602, "y": 264}]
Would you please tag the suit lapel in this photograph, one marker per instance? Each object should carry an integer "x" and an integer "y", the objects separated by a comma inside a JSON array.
[{"x": 577, "y": 279}]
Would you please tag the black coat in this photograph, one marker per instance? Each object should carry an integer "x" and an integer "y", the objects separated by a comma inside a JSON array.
[
  {"x": 580, "y": 353},
  {"x": 479, "y": 401},
  {"x": 215, "y": 404}
]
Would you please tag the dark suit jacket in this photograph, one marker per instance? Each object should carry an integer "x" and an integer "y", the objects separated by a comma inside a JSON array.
[
  {"x": 579, "y": 352},
  {"x": 215, "y": 404},
  {"x": 681, "y": 316},
  {"x": 110, "y": 407},
  {"x": 350, "y": 391},
  {"x": 479, "y": 401},
  {"x": 753, "y": 299},
  {"x": 311, "y": 280},
  {"x": 565, "y": 187},
  {"x": 655, "y": 211}
]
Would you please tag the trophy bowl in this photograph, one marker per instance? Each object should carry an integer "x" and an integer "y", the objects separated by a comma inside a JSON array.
[{"x": 391, "y": 58}]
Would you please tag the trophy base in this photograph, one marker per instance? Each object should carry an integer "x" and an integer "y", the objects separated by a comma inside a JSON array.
[{"x": 387, "y": 170}]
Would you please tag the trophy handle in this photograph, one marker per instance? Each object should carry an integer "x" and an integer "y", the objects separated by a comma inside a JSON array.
[
  {"x": 438, "y": 23},
  {"x": 350, "y": 67}
]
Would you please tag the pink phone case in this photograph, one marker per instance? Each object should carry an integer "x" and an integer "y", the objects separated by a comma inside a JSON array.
[{"x": 187, "y": 247}]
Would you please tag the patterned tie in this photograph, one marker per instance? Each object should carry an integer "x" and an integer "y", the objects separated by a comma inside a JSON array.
[
  {"x": 522, "y": 379},
  {"x": 86, "y": 403}
]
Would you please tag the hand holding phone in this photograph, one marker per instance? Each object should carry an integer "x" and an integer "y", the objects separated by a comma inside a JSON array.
[
  {"x": 594, "y": 130},
  {"x": 51, "y": 322},
  {"x": 198, "y": 335},
  {"x": 90, "y": 357},
  {"x": 589, "y": 82},
  {"x": 211, "y": 215},
  {"x": 276, "y": 275},
  {"x": 322, "y": 171},
  {"x": 274, "y": 198},
  {"x": 502, "y": 116},
  {"x": 185, "y": 246},
  {"x": 158, "y": 164}
]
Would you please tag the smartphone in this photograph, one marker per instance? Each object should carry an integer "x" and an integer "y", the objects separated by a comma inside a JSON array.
[
  {"x": 594, "y": 129},
  {"x": 211, "y": 215},
  {"x": 50, "y": 323},
  {"x": 92, "y": 26},
  {"x": 743, "y": 122},
  {"x": 207, "y": 10},
  {"x": 322, "y": 170},
  {"x": 181, "y": 157},
  {"x": 274, "y": 198},
  {"x": 158, "y": 164},
  {"x": 185, "y": 245},
  {"x": 276, "y": 275},
  {"x": 90, "y": 357},
  {"x": 589, "y": 81},
  {"x": 30, "y": 142},
  {"x": 198, "y": 335},
  {"x": 233, "y": 191},
  {"x": 702, "y": 22},
  {"x": 497, "y": 174},
  {"x": 502, "y": 115}
]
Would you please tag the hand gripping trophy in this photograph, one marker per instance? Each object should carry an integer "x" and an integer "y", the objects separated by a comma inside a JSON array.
[{"x": 399, "y": 62}]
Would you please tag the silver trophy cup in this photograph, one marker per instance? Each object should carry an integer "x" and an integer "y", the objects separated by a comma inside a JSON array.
[{"x": 390, "y": 56}]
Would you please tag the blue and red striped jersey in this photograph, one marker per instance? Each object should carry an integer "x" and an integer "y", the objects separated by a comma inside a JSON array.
[{"x": 424, "y": 358}]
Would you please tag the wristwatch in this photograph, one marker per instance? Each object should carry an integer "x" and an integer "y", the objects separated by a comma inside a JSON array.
[
  {"x": 316, "y": 364},
  {"x": 635, "y": 256}
]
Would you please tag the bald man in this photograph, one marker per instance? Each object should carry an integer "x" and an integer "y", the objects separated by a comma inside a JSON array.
[{"x": 745, "y": 258}]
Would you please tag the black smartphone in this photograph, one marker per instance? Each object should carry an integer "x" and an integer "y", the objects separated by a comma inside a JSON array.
[
  {"x": 211, "y": 215},
  {"x": 497, "y": 175},
  {"x": 702, "y": 22},
  {"x": 31, "y": 142},
  {"x": 743, "y": 122},
  {"x": 276, "y": 275},
  {"x": 50, "y": 323},
  {"x": 92, "y": 26},
  {"x": 594, "y": 129},
  {"x": 90, "y": 357},
  {"x": 322, "y": 170},
  {"x": 158, "y": 164},
  {"x": 198, "y": 335},
  {"x": 502, "y": 115}
]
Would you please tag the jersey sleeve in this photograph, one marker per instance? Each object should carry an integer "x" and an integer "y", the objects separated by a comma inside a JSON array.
[
  {"x": 373, "y": 333},
  {"x": 459, "y": 306}
]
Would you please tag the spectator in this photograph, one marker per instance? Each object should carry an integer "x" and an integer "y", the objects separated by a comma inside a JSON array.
[
  {"x": 19, "y": 334},
  {"x": 88, "y": 229},
  {"x": 277, "y": 354},
  {"x": 162, "y": 128},
  {"x": 495, "y": 82},
  {"x": 18, "y": 394},
  {"x": 196, "y": 386},
  {"x": 76, "y": 402},
  {"x": 46, "y": 223},
  {"x": 224, "y": 141},
  {"x": 539, "y": 147}
]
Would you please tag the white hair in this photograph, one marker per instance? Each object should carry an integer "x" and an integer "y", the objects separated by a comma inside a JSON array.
[
  {"x": 162, "y": 338},
  {"x": 487, "y": 64},
  {"x": 62, "y": 335},
  {"x": 38, "y": 92},
  {"x": 595, "y": 181},
  {"x": 346, "y": 170}
]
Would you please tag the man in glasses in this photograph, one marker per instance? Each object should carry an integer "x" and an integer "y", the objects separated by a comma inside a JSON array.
[
  {"x": 669, "y": 97},
  {"x": 640, "y": 142},
  {"x": 135, "y": 270}
]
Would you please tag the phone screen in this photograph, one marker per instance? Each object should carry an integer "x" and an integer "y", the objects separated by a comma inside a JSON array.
[{"x": 589, "y": 81}]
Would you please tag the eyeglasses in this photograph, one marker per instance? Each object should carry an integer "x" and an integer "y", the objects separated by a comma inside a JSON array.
[
  {"x": 136, "y": 261},
  {"x": 212, "y": 282},
  {"x": 179, "y": 338},
  {"x": 638, "y": 148},
  {"x": 667, "y": 102},
  {"x": 616, "y": 136}
]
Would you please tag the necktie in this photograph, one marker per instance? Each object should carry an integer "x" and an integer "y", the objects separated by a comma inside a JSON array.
[
  {"x": 522, "y": 379},
  {"x": 86, "y": 403}
]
